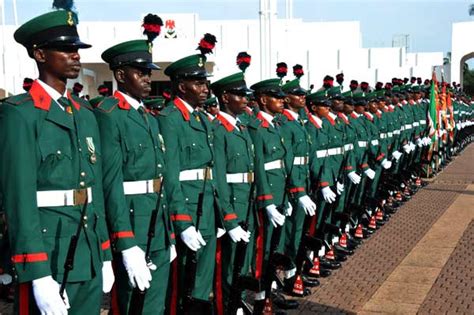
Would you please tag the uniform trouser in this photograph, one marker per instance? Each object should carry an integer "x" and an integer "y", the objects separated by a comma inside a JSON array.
[
  {"x": 206, "y": 261},
  {"x": 372, "y": 191},
  {"x": 155, "y": 297},
  {"x": 85, "y": 297},
  {"x": 293, "y": 230}
]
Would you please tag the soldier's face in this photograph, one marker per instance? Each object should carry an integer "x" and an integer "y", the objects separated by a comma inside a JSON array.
[
  {"x": 321, "y": 111},
  {"x": 64, "y": 63},
  {"x": 359, "y": 109},
  {"x": 348, "y": 108},
  {"x": 235, "y": 103},
  {"x": 273, "y": 105},
  {"x": 137, "y": 82},
  {"x": 337, "y": 105},
  {"x": 372, "y": 107},
  {"x": 296, "y": 101},
  {"x": 194, "y": 91}
]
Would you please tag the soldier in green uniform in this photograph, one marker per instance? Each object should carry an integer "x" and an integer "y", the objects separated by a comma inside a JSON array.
[
  {"x": 188, "y": 137},
  {"x": 134, "y": 168},
  {"x": 234, "y": 159},
  {"x": 50, "y": 171},
  {"x": 296, "y": 136}
]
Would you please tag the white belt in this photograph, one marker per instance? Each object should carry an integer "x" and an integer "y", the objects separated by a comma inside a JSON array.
[
  {"x": 423, "y": 122},
  {"x": 300, "y": 160},
  {"x": 407, "y": 126},
  {"x": 456, "y": 112},
  {"x": 390, "y": 134},
  {"x": 348, "y": 146},
  {"x": 402, "y": 128},
  {"x": 362, "y": 144},
  {"x": 334, "y": 151},
  {"x": 239, "y": 178},
  {"x": 142, "y": 187},
  {"x": 61, "y": 198},
  {"x": 396, "y": 132},
  {"x": 416, "y": 124},
  {"x": 196, "y": 174},
  {"x": 321, "y": 153},
  {"x": 273, "y": 165},
  {"x": 375, "y": 142},
  {"x": 383, "y": 135}
]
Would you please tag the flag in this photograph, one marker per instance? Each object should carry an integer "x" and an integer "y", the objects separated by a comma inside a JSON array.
[{"x": 432, "y": 109}]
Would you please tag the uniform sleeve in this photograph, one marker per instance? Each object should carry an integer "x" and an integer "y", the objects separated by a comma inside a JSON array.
[
  {"x": 117, "y": 212},
  {"x": 18, "y": 186},
  {"x": 264, "y": 193},
  {"x": 170, "y": 131},
  {"x": 297, "y": 183},
  {"x": 220, "y": 165}
]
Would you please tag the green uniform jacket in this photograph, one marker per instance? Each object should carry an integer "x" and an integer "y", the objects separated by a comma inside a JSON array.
[
  {"x": 46, "y": 148},
  {"x": 319, "y": 134},
  {"x": 233, "y": 154},
  {"x": 133, "y": 150},
  {"x": 362, "y": 142},
  {"x": 189, "y": 146}
]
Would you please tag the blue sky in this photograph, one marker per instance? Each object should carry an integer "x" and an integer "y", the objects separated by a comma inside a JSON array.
[{"x": 428, "y": 23}]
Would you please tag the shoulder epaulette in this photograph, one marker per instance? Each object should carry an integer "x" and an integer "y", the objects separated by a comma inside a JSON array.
[
  {"x": 108, "y": 104},
  {"x": 169, "y": 108},
  {"x": 254, "y": 124},
  {"x": 17, "y": 99}
]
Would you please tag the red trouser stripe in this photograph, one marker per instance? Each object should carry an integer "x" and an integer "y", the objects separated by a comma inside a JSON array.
[
  {"x": 219, "y": 297},
  {"x": 24, "y": 298}
]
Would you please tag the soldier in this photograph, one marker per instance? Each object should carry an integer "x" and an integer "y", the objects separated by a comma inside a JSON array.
[
  {"x": 51, "y": 178},
  {"x": 103, "y": 93},
  {"x": 234, "y": 158},
  {"x": 211, "y": 107},
  {"x": 188, "y": 137},
  {"x": 134, "y": 168}
]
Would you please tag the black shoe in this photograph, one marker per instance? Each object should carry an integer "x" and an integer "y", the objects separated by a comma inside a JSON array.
[
  {"x": 339, "y": 257},
  {"x": 342, "y": 250},
  {"x": 310, "y": 283},
  {"x": 327, "y": 264},
  {"x": 281, "y": 302}
]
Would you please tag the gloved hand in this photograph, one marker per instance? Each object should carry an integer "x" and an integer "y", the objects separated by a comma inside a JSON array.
[
  {"x": 108, "y": 277},
  {"x": 370, "y": 173},
  {"x": 220, "y": 232},
  {"x": 412, "y": 146},
  {"x": 192, "y": 238},
  {"x": 238, "y": 234},
  {"x": 339, "y": 188},
  {"x": 5, "y": 279},
  {"x": 307, "y": 204},
  {"x": 396, "y": 155},
  {"x": 328, "y": 195},
  {"x": 458, "y": 126},
  {"x": 354, "y": 177},
  {"x": 407, "y": 148},
  {"x": 274, "y": 215},
  {"x": 137, "y": 269},
  {"x": 386, "y": 164},
  {"x": 419, "y": 142},
  {"x": 289, "y": 210},
  {"x": 48, "y": 300},
  {"x": 173, "y": 253}
]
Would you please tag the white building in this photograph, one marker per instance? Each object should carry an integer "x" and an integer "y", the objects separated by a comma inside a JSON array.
[{"x": 321, "y": 47}]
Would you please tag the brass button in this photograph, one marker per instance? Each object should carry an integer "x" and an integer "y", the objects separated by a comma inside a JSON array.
[
  {"x": 58, "y": 152},
  {"x": 82, "y": 184},
  {"x": 83, "y": 174}
]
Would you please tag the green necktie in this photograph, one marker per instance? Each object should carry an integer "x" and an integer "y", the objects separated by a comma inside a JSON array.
[{"x": 66, "y": 103}]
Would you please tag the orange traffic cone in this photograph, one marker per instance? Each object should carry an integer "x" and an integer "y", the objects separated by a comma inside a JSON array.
[
  {"x": 343, "y": 240},
  {"x": 372, "y": 223},
  {"x": 298, "y": 286},
  {"x": 359, "y": 232},
  {"x": 315, "y": 269}
]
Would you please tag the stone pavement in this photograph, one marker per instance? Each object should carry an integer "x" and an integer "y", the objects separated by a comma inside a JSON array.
[{"x": 421, "y": 261}]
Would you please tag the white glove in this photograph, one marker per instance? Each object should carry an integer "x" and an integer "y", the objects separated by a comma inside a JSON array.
[
  {"x": 339, "y": 188},
  {"x": 220, "y": 232},
  {"x": 173, "y": 253},
  {"x": 386, "y": 164},
  {"x": 192, "y": 238},
  {"x": 274, "y": 215},
  {"x": 289, "y": 210},
  {"x": 238, "y": 234},
  {"x": 445, "y": 131},
  {"x": 419, "y": 142},
  {"x": 412, "y": 146},
  {"x": 307, "y": 204},
  {"x": 407, "y": 148},
  {"x": 354, "y": 177},
  {"x": 48, "y": 300},
  {"x": 137, "y": 269},
  {"x": 328, "y": 195},
  {"x": 108, "y": 277},
  {"x": 396, "y": 155},
  {"x": 5, "y": 279},
  {"x": 458, "y": 126},
  {"x": 370, "y": 173}
]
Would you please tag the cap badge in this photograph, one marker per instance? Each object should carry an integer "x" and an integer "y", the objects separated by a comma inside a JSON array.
[
  {"x": 70, "y": 19},
  {"x": 150, "y": 48},
  {"x": 200, "y": 63}
]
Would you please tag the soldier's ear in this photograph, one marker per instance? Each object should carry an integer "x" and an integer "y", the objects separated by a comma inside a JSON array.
[
  {"x": 225, "y": 98},
  {"x": 313, "y": 108},
  {"x": 262, "y": 99},
  {"x": 39, "y": 55},
  {"x": 119, "y": 75},
  {"x": 182, "y": 87}
]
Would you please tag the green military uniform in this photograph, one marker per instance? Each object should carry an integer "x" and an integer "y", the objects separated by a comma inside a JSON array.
[
  {"x": 51, "y": 165},
  {"x": 188, "y": 136},
  {"x": 234, "y": 159},
  {"x": 134, "y": 167}
]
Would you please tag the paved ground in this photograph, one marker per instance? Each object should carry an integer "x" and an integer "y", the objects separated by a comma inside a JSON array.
[{"x": 421, "y": 261}]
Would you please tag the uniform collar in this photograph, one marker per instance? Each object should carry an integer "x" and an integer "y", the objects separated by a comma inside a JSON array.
[
  {"x": 55, "y": 95},
  {"x": 332, "y": 115},
  {"x": 268, "y": 118},
  {"x": 188, "y": 107},
  {"x": 130, "y": 100},
  {"x": 291, "y": 115},
  {"x": 317, "y": 120}
]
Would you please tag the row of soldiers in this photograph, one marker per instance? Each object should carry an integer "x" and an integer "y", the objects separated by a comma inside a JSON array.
[{"x": 178, "y": 213}]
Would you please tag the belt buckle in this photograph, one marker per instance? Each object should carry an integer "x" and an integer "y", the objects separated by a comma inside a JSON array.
[
  {"x": 156, "y": 185},
  {"x": 207, "y": 173},
  {"x": 79, "y": 196},
  {"x": 250, "y": 177}
]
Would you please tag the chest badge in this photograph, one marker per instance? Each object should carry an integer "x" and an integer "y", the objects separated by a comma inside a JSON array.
[{"x": 91, "y": 149}]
